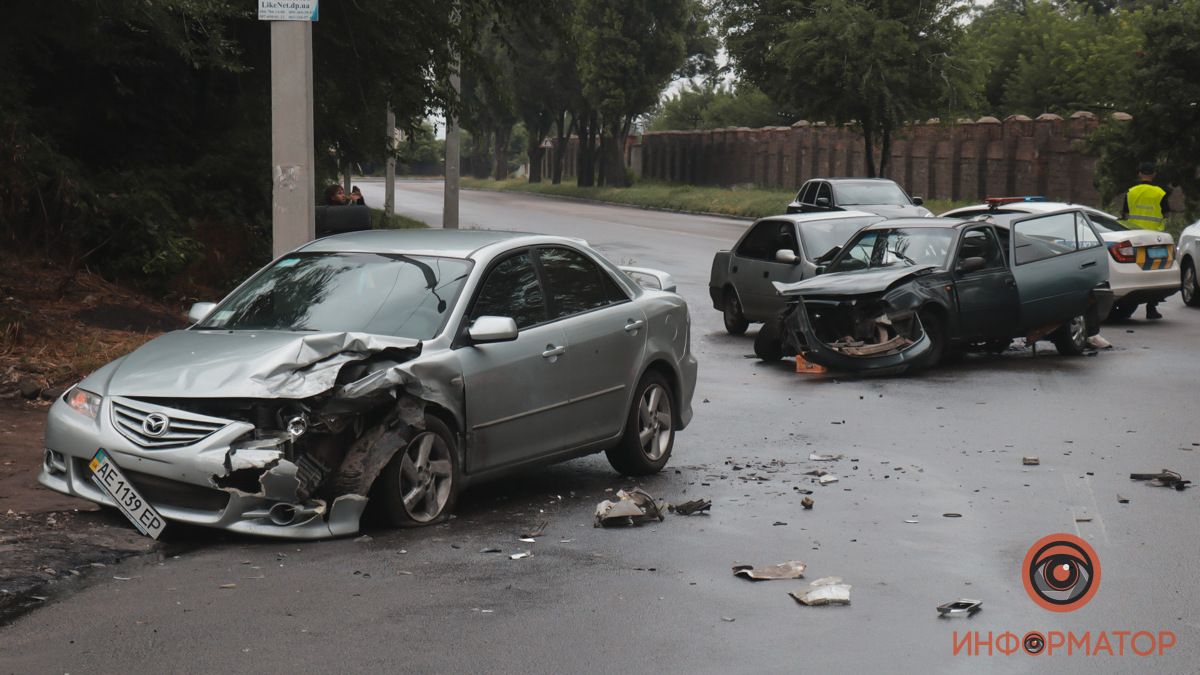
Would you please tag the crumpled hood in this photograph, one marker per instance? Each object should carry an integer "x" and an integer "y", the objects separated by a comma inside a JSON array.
[
  {"x": 239, "y": 364},
  {"x": 851, "y": 283}
]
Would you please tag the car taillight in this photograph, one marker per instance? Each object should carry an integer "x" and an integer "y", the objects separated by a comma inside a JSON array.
[{"x": 1123, "y": 251}]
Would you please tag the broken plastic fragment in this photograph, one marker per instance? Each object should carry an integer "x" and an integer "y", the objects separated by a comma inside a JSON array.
[
  {"x": 793, "y": 569},
  {"x": 1166, "y": 478},
  {"x": 824, "y": 591},
  {"x": 632, "y": 507},
  {"x": 1030, "y": 461},
  {"x": 520, "y": 554},
  {"x": 960, "y": 607},
  {"x": 827, "y": 479},
  {"x": 694, "y": 506},
  {"x": 818, "y": 457}
]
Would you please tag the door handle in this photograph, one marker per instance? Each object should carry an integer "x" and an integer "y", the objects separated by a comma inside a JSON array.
[
  {"x": 552, "y": 351},
  {"x": 633, "y": 325},
  {"x": 1088, "y": 264},
  {"x": 766, "y": 275},
  {"x": 1011, "y": 283}
]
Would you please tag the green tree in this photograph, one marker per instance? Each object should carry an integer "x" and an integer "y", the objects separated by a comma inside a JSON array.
[
  {"x": 876, "y": 63},
  {"x": 710, "y": 106}
]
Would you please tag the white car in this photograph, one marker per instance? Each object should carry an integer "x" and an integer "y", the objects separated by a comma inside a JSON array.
[
  {"x": 1141, "y": 263},
  {"x": 1189, "y": 258}
]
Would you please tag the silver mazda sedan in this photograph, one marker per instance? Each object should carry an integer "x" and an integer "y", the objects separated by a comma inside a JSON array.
[{"x": 397, "y": 366}]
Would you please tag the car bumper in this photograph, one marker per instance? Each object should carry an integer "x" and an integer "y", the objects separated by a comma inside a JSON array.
[
  {"x": 179, "y": 483},
  {"x": 814, "y": 350},
  {"x": 1130, "y": 282}
]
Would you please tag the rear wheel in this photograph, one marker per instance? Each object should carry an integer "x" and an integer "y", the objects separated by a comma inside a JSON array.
[
  {"x": 1122, "y": 310},
  {"x": 735, "y": 321},
  {"x": 419, "y": 486},
  {"x": 649, "y": 435},
  {"x": 1071, "y": 338},
  {"x": 1190, "y": 285},
  {"x": 767, "y": 345}
]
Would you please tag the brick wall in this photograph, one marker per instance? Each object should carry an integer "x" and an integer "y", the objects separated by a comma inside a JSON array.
[{"x": 968, "y": 159}]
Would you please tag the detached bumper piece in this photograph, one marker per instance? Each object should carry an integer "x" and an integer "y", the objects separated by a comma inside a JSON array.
[{"x": 877, "y": 343}]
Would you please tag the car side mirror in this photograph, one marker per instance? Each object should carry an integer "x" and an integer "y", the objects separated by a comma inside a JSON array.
[
  {"x": 973, "y": 264},
  {"x": 492, "y": 329},
  {"x": 822, "y": 201},
  {"x": 200, "y": 311},
  {"x": 917, "y": 201},
  {"x": 820, "y": 269},
  {"x": 786, "y": 256}
]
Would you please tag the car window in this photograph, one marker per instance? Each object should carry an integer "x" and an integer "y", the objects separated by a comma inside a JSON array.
[
  {"x": 808, "y": 193},
  {"x": 910, "y": 246},
  {"x": 824, "y": 191},
  {"x": 758, "y": 242},
  {"x": 785, "y": 237},
  {"x": 820, "y": 236},
  {"x": 1106, "y": 223},
  {"x": 853, "y": 193},
  {"x": 385, "y": 294},
  {"x": 1084, "y": 234},
  {"x": 575, "y": 283},
  {"x": 981, "y": 242},
  {"x": 1046, "y": 237},
  {"x": 512, "y": 289}
]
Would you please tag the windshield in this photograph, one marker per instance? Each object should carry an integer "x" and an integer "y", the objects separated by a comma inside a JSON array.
[
  {"x": 384, "y": 294},
  {"x": 853, "y": 193},
  {"x": 820, "y": 236},
  {"x": 887, "y": 248}
]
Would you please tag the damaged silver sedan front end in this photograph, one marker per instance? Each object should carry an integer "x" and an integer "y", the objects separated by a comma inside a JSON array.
[{"x": 250, "y": 461}]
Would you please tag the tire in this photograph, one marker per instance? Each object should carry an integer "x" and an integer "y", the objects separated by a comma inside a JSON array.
[
  {"x": 767, "y": 346},
  {"x": 1122, "y": 311},
  {"x": 1189, "y": 285},
  {"x": 649, "y": 435},
  {"x": 735, "y": 321},
  {"x": 1071, "y": 338},
  {"x": 935, "y": 328},
  {"x": 432, "y": 484}
]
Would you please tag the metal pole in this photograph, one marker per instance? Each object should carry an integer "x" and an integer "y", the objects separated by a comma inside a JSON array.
[
  {"x": 293, "y": 212},
  {"x": 450, "y": 203},
  {"x": 389, "y": 189}
]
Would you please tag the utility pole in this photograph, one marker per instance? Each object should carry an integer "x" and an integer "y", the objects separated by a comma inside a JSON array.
[
  {"x": 293, "y": 211},
  {"x": 450, "y": 194},
  {"x": 389, "y": 186}
]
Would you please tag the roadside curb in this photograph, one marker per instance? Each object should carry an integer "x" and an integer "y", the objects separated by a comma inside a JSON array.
[{"x": 584, "y": 200}]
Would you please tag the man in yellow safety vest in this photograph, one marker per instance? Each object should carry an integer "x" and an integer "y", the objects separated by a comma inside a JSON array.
[{"x": 1145, "y": 207}]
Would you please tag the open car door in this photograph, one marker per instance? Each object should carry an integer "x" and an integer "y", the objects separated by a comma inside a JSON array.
[{"x": 1057, "y": 260}]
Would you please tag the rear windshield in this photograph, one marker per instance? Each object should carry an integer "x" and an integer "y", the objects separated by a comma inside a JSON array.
[
  {"x": 854, "y": 193},
  {"x": 1105, "y": 223},
  {"x": 821, "y": 236}
]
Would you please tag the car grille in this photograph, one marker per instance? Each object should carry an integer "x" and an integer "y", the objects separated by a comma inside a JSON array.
[{"x": 183, "y": 428}]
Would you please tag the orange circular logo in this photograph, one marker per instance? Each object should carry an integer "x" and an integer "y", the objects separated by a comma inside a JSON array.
[{"x": 1061, "y": 572}]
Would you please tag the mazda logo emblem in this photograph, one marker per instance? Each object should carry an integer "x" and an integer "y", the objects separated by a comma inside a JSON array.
[{"x": 156, "y": 425}]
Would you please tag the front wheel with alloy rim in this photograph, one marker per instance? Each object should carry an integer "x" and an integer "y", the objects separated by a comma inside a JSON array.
[
  {"x": 649, "y": 435},
  {"x": 735, "y": 320},
  {"x": 1189, "y": 285},
  {"x": 935, "y": 330},
  {"x": 419, "y": 486},
  {"x": 1071, "y": 338}
]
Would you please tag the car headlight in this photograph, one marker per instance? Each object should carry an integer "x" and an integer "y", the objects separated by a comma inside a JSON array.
[{"x": 84, "y": 402}]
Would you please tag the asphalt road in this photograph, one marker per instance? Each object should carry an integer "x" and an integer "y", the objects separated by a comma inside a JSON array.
[{"x": 662, "y": 598}]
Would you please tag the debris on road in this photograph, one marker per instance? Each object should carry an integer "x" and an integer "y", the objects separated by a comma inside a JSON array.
[
  {"x": 1098, "y": 342},
  {"x": 793, "y": 569},
  {"x": 694, "y": 506},
  {"x": 228, "y": 587},
  {"x": 537, "y": 531},
  {"x": 1166, "y": 478},
  {"x": 632, "y": 507},
  {"x": 952, "y": 515},
  {"x": 1030, "y": 461},
  {"x": 960, "y": 607},
  {"x": 807, "y": 503},
  {"x": 491, "y": 549},
  {"x": 912, "y": 521},
  {"x": 827, "y": 479},
  {"x": 824, "y": 591},
  {"x": 1122, "y": 500},
  {"x": 520, "y": 555},
  {"x": 818, "y": 457}
]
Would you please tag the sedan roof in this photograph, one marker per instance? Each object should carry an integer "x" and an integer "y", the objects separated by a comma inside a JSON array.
[
  {"x": 813, "y": 216},
  {"x": 436, "y": 242}
]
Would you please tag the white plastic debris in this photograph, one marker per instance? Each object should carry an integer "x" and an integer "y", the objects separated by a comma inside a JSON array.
[
  {"x": 632, "y": 507},
  {"x": 793, "y": 569},
  {"x": 827, "y": 479},
  {"x": 818, "y": 457},
  {"x": 824, "y": 591}
]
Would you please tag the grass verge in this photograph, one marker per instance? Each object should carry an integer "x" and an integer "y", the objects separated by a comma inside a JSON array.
[
  {"x": 747, "y": 202},
  {"x": 381, "y": 221}
]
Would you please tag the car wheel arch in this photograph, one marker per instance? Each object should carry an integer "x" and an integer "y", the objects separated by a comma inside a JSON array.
[{"x": 671, "y": 375}]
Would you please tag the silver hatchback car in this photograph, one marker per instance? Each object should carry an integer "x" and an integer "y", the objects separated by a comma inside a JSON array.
[{"x": 397, "y": 366}]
